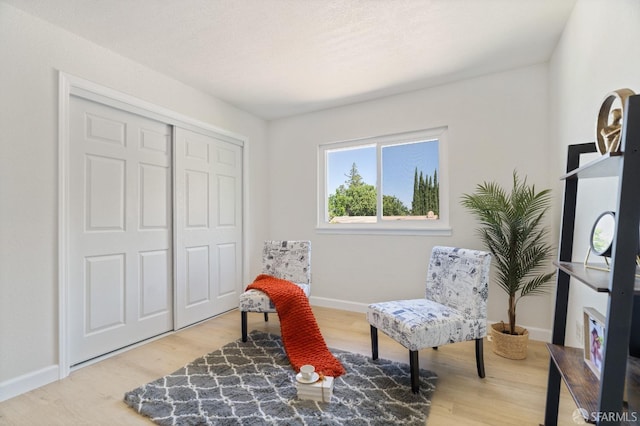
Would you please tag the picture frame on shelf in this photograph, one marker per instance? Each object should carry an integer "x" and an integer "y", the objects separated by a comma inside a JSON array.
[{"x": 594, "y": 329}]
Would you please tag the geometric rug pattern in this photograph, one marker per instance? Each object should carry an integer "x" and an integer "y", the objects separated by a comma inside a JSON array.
[{"x": 252, "y": 383}]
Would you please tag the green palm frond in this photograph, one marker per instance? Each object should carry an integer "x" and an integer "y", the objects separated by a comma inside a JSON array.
[{"x": 511, "y": 228}]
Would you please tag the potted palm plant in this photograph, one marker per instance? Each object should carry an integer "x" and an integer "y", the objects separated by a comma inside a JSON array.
[{"x": 512, "y": 229}]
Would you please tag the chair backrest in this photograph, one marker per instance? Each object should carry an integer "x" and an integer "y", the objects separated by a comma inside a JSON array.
[
  {"x": 288, "y": 260},
  {"x": 459, "y": 278}
]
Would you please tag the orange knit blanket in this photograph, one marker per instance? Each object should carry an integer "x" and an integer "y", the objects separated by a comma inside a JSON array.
[{"x": 301, "y": 335}]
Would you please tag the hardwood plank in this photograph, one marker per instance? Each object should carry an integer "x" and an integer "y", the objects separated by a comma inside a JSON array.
[{"x": 513, "y": 392}]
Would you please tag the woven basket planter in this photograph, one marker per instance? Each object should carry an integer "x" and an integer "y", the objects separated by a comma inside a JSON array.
[{"x": 507, "y": 345}]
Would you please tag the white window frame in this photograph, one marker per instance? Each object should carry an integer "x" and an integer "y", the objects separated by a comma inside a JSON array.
[{"x": 438, "y": 227}]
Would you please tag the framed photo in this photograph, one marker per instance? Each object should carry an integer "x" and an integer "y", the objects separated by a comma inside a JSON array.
[{"x": 594, "y": 328}]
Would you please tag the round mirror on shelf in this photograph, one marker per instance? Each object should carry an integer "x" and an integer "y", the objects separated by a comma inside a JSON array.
[{"x": 602, "y": 234}]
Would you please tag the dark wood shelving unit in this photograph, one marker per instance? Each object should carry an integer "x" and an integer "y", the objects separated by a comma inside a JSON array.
[
  {"x": 596, "y": 279},
  {"x": 602, "y": 399},
  {"x": 582, "y": 383}
]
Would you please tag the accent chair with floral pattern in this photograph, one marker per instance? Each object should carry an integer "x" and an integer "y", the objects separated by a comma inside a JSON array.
[
  {"x": 287, "y": 260},
  {"x": 454, "y": 310}
]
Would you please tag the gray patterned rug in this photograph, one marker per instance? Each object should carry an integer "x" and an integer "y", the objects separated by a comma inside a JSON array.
[{"x": 252, "y": 383}]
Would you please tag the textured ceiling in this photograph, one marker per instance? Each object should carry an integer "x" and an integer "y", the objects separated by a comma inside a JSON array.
[{"x": 276, "y": 58}]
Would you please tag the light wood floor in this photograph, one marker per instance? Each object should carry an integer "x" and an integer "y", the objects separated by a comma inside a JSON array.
[{"x": 513, "y": 392}]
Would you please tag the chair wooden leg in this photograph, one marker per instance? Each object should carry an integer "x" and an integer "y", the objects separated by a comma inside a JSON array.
[
  {"x": 243, "y": 321},
  {"x": 415, "y": 371},
  {"x": 480, "y": 357},
  {"x": 266, "y": 317},
  {"x": 374, "y": 342}
]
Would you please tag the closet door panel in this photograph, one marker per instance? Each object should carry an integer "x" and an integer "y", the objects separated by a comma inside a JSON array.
[
  {"x": 120, "y": 229},
  {"x": 208, "y": 229}
]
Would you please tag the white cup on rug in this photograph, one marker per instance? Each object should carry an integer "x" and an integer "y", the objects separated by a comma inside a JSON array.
[{"x": 307, "y": 371}]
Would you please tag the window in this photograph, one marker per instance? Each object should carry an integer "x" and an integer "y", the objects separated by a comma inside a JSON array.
[{"x": 394, "y": 183}]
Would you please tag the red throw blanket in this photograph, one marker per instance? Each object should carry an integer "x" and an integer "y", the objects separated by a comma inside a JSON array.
[{"x": 300, "y": 332}]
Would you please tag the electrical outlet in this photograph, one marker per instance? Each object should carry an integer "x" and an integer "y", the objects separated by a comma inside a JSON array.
[{"x": 579, "y": 331}]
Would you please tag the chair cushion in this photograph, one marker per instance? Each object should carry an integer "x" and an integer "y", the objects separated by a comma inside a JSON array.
[
  {"x": 422, "y": 323},
  {"x": 257, "y": 301}
]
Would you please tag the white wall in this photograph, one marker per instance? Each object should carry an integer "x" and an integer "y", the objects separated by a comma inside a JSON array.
[
  {"x": 599, "y": 52},
  {"x": 521, "y": 119},
  {"x": 32, "y": 53},
  {"x": 497, "y": 123}
]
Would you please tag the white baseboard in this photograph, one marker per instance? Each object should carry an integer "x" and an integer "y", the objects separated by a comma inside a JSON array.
[
  {"x": 28, "y": 382},
  {"x": 344, "y": 305},
  {"x": 540, "y": 334},
  {"x": 535, "y": 333}
]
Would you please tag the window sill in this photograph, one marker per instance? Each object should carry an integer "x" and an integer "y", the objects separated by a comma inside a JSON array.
[{"x": 379, "y": 230}]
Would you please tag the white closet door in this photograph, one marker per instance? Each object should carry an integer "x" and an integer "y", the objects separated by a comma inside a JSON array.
[
  {"x": 120, "y": 237},
  {"x": 208, "y": 235}
]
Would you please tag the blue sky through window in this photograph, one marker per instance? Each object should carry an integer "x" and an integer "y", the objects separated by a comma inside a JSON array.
[{"x": 398, "y": 166}]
